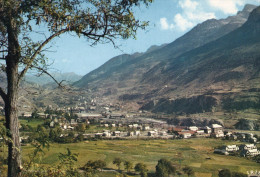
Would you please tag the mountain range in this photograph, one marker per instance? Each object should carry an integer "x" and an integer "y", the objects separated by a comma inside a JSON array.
[
  {"x": 215, "y": 66},
  {"x": 44, "y": 79}
]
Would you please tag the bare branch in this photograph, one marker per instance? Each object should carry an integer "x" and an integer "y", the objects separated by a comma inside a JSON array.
[
  {"x": 46, "y": 72},
  {"x": 38, "y": 51}
]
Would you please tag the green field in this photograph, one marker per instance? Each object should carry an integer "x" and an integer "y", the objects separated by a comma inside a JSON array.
[
  {"x": 32, "y": 122},
  {"x": 197, "y": 153}
]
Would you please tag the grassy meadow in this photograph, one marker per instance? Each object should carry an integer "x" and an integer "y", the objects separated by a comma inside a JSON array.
[
  {"x": 32, "y": 122},
  {"x": 197, "y": 153}
]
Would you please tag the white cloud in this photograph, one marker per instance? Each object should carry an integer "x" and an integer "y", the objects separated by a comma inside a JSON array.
[
  {"x": 188, "y": 4},
  {"x": 182, "y": 23},
  {"x": 227, "y": 6},
  {"x": 230, "y": 6},
  {"x": 197, "y": 11},
  {"x": 192, "y": 14},
  {"x": 164, "y": 24}
]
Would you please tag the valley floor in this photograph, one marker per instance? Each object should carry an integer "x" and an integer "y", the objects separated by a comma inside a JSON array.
[{"x": 197, "y": 153}]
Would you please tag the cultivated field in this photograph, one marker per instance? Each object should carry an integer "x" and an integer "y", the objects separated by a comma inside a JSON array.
[{"x": 197, "y": 153}]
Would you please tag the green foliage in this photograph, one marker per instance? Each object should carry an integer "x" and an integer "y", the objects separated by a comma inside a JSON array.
[
  {"x": 92, "y": 166},
  {"x": 164, "y": 168},
  {"x": 245, "y": 124},
  {"x": 117, "y": 161},
  {"x": 35, "y": 114},
  {"x": 142, "y": 169},
  {"x": 238, "y": 174},
  {"x": 26, "y": 128},
  {"x": 257, "y": 158},
  {"x": 230, "y": 104},
  {"x": 81, "y": 127},
  {"x": 65, "y": 168},
  {"x": 188, "y": 170},
  {"x": 80, "y": 137},
  {"x": 67, "y": 162},
  {"x": 55, "y": 133},
  {"x": 224, "y": 173},
  {"x": 128, "y": 165}
]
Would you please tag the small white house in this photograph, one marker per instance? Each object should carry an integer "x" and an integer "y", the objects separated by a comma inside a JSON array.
[
  {"x": 251, "y": 152},
  {"x": 106, "y": 134},
  {"x": 116, "y": 133},
  {"x": 135, "y": 125},
  {"x": 137, "y": 133},
  {"x": 163, "y": 133},
  {"x": 130, "y": 134},
  {"x": 152, "y": 133},
  {"x": 200, "y": 132},
  {"x": 231, "y": 148},
  {"x": 248, "y": 147},
  {"x": 52, "y": 124},
  {"x": 145, "y": 128},
  {"x": 193, "y": 128},
  {"x": 207, "y": 130},
  {"x": 185, "y": 135}
]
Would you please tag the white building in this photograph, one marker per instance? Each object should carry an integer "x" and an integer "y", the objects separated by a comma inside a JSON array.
[
  {"x": 152, "y": 133},
  {"x": 193, "y": 128},
  {"x": 137, "y": 133},
  {"x": 248, "y": 147},
  {"x": 251, "y": 152},
  {"x": 116, "y": 133},
  {"x": 231, "y": 148},
  {"x": 145, "y": 128},
  {"x": 106, "y": 134}
]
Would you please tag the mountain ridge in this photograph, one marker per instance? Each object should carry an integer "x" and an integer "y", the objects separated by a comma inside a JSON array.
[
  {"x": 175, "y": 48},
  {"x": 195, "y": 69}
]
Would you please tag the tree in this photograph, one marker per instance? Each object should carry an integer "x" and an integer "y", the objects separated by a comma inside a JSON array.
[
  {"x": 224, "y": 173},
  {"x": 142, "y": 168},
  {"x": 117, "y": 161},
  {"x": 100, "y": 164},
  {"x": 257, "y": 158},
  {"x": 96, "y": 20},
  {"x": 67, "y": 161},
  {"x": 94, "y": 165},
  {"x": 238, "y": 174},
  {"x": 81, "y": 127},
  {"x": 80, "y": 137},
  {"x": 164, "y": 168},
  {"x": 55, "y": 133},
  {"x": 128, "y": 165},
  {"x": 188, "y": 170}
]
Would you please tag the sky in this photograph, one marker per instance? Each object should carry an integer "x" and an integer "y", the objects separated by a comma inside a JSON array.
[{"x": 168, "y": 20}]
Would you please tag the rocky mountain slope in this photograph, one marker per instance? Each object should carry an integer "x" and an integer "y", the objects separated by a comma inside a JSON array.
[
  {"x": 131, "y": 67},
  {"x": 213, "y": 67}
]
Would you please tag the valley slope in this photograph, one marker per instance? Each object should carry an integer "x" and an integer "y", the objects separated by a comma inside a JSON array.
[{"x": 214, "y": 67}]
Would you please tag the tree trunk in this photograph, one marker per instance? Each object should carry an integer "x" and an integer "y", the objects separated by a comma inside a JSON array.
[{"x": 12, "y": 124}]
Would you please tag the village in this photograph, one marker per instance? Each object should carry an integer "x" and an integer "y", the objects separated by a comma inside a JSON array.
[{"x": 110, "y": 123}]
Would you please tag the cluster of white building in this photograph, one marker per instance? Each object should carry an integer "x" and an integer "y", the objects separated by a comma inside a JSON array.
[
  {"x": 215, "y": 130},
  {"x": 246, "y": 150}
]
